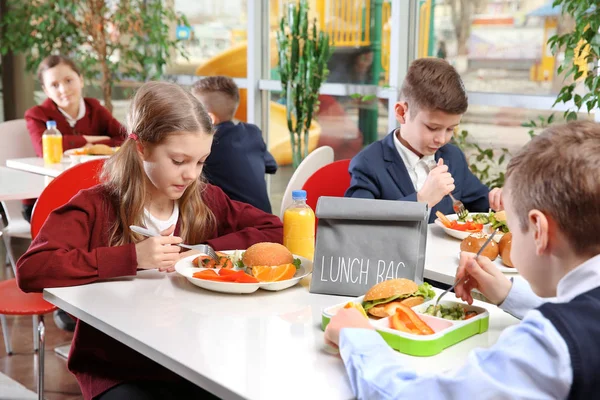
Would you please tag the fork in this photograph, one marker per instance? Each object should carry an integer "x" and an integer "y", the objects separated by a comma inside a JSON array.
[
  {"x": 489, "y": 239},
  {"x": 202, "y": 248},
  {"x": 457, "y": 205}
]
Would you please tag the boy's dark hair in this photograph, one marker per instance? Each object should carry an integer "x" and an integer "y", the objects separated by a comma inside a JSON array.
[
  {"x": 53, "y": 61},
  {"x": 433, "y": 84},
  {"x": 219, "y": 95},
  {"x": 556, "y": 173}
]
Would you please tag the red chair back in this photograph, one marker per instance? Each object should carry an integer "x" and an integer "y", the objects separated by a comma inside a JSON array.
[
  {"x": 331, "y": 180},
  {"x": 62, "y": 188}
]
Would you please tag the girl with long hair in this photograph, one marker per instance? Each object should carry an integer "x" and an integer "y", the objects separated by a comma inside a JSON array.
[{"x": 154, "y": 180}]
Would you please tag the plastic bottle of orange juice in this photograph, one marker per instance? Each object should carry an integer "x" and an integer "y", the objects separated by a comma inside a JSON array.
[
  {"x": 299, "y": 226},
  {"x": 52, "y": 144}
]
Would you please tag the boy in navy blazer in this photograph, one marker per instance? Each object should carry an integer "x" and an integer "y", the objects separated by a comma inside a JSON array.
[
  {"x": 416, "y": 162},
  {"x": 238, "y": 158}
]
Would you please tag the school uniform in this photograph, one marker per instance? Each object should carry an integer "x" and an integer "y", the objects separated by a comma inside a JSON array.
[
  {"x": 73, "y": 249},
  {"x": 387, "y": 170},
  {"x": 554, "y": 353},
  {"x": 96, "y": 121},
  {"x": 238, "y": 162}
]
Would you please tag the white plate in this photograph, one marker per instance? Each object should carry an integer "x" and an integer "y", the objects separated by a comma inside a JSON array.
[
  {"x": 498, "y": 263},
  {"x": 186, "y": 268},
  {"x": 77, "y": 158},
  {"x": 461, "y": 234}
]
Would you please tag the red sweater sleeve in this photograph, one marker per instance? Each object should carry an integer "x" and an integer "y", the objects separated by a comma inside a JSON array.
[
  {"x": 36, "y": 119},
  {"x": 240, "y": 225},
  {"x": 69, "y": 249},
  {"x": 113, "y": 127},
  {"x": 36, "y": 125}
]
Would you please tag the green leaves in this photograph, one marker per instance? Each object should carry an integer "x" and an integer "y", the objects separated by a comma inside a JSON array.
[
  {"x": 581, "y": 47},
  {"x": 128, "y": 41},
  {"x": 303, "y": 54},
  {"x": 485, "y": 163}
]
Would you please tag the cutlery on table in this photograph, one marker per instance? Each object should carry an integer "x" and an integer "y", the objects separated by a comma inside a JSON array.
[{"x": 202, "y": 248}]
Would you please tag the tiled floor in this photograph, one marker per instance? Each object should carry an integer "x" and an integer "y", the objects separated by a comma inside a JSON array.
[{"x": 59, "y": 384}]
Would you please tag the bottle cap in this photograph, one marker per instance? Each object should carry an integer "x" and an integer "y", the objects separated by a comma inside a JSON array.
[
  {"x": 50, "y": 124},
  {"x": 299, "y": 195}
]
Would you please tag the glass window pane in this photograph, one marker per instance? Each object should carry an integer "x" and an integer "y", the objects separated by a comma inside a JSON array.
[
  {"x": 499, "y": 128},
  {"x": 216, "y": 43},
  {"x": 359, "y": 33},
  {"x": 338, "y": 124},
  {"x": 497, "y": 46}
]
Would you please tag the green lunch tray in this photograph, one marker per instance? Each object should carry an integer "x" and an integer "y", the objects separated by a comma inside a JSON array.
[{"x": 447, "y": 332}]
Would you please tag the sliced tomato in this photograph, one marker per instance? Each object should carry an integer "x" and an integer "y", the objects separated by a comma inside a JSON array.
[
  {"x": 466, "y": 227},
  {"x": 225, "y": 262},
  {"x": 204, "y": 262},
  {"x": 470, "y": 314}
]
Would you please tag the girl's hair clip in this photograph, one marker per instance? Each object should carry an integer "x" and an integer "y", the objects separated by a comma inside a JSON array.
[{"x": 133, "y": 136}]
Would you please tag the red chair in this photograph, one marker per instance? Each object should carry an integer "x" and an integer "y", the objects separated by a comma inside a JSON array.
[
  {"x": 331, "y": 180},
  {"x": 62, "y": 189},
  {"x": 13, "y": 301}
]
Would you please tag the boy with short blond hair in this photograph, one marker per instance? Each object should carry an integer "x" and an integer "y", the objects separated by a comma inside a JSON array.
[
  {"x": 416, "y": 162},
  {"x": 239, "y": 158},
  {"x": 552, "y": 202}
]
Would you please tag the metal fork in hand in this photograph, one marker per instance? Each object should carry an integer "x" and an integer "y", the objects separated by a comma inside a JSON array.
[
  {"x": 489, "y": 239},
  {"x": 459, "y": 207},
  {"x": 202, "y": 248}
]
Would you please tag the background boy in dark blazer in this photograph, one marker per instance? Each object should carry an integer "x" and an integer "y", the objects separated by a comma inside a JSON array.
[
  {"x": 239, "y": 158},
  {"x": 416, "y": 162}
]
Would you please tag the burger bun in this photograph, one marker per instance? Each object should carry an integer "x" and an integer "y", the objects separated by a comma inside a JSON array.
[
  {"x": 473, "y": 243},
  {"x": 504, "y": 248},
  {"x": 267, "y": 254}
]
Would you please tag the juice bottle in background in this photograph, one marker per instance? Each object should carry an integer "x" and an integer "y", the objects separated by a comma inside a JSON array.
[
  {"x": 52, "y": 144},
  {"x": 299, "y": 226}
]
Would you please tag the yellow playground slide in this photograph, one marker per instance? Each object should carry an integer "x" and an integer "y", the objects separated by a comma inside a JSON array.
[{"x": 232, "y": 63}]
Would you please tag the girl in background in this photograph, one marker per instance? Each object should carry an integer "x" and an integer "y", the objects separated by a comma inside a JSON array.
[
  {"x": 80, "y": 121},
  {"x": 153, "y": 181}
]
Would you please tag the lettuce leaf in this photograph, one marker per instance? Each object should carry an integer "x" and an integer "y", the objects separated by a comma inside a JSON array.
[
  {"x": 297, "y": 263},
  {"x": 425, "y": 290}
]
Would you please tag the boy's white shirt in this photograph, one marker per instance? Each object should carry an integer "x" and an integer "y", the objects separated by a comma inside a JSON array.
[
  {"x": 417, "y": 167},
  {"x": 530, "y": 360}
]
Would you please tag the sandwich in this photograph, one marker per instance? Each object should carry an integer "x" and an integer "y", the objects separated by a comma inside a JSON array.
[
  {"x": 100, "y": 150},
  {"x": 269, "y": 262},
  {"x": 383, "y": 298}
]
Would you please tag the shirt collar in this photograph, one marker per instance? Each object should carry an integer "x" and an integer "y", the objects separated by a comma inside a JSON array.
[
  {"x": 80, "y": 114},
  {"x": 410, "y": 159},
  {"x": 581, "y": 279}
]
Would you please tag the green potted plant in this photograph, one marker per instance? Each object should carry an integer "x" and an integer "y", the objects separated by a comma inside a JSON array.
[
  {"x": 303, "y": 55},
  {"x": 110, "y": 41}
]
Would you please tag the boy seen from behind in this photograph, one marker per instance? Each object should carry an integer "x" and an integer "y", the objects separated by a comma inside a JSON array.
[
  {"x": 551, "y": 198},
  {"x": 416, "y": 162},
  {"x": 239, "y": 158}
]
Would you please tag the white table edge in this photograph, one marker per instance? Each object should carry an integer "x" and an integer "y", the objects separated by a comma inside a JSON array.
[
  {"x": 167, "y": 362},
  {"x": 38, "y": 170}
]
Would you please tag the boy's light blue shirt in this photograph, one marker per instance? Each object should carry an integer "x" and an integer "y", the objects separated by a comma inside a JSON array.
[{"x": 529, "y": 361}]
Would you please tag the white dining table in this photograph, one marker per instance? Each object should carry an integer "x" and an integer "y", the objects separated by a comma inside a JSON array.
[
  {"x": 266, "y": 345},
  {"x": 36, "y": 165},
  {"x": 442, "y": 256},
  {"x": 18, "y": 185}
]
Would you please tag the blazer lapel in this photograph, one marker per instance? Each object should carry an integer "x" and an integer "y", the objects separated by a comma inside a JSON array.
[{"x": 395, "y": 166}]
